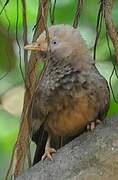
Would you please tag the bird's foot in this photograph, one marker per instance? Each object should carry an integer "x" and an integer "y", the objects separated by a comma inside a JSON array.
[
  {"x": 48, "y": 154},
  {"x": 92, "y": 125}
]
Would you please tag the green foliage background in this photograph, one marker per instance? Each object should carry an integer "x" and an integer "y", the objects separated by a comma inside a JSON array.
[{"x": 9, "y": 59}]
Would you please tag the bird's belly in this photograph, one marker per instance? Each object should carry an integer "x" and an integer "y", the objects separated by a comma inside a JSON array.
[
  {"x": 67, "y": 125},
  {"x": 73, "y": 118}
]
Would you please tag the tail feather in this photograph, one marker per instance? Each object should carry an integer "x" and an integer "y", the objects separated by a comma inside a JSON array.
[
  {"x": 40, "y": 138},
  {"x": 40, "y": 148}
]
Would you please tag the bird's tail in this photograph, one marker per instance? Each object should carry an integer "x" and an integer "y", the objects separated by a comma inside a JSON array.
[{"x": 40, "y": 139}]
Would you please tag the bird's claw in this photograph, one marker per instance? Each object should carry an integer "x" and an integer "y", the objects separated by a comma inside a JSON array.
[
  {"x": 92, "y": 125},
  {"x": 48, "y": 154}
]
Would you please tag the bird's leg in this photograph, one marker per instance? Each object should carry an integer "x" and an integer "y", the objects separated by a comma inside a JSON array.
[
  {"x": 48, "y": 150},
  {"x": 92, "y": 125}
]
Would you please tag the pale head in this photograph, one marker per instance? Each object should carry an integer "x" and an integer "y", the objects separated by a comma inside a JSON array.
[{"x": 64, "y": 42}]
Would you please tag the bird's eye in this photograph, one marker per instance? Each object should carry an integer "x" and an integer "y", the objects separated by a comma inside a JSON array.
[{"x": 54, "y": 42}]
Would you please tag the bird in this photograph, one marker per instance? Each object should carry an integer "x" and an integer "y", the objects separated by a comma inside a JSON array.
[{"x": 71, "y": 95}]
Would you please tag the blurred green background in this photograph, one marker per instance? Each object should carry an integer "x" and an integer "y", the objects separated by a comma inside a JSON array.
[{"x": 11, "y": 86}]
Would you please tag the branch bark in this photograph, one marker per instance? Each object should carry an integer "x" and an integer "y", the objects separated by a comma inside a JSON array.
[{"x": 92, "y": 155}]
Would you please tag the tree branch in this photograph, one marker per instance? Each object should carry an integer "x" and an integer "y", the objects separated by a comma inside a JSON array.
[
  {"x": 93, "y": 155},
  {"x": 22, "y": 144},
  {"x": 78, "y": 12},
  {"x": 107, "y": 7},
  {"x": 25, "y": 35}
]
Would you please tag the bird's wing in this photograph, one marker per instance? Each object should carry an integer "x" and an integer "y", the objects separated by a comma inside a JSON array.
[{"x": 36, "y": 116}]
